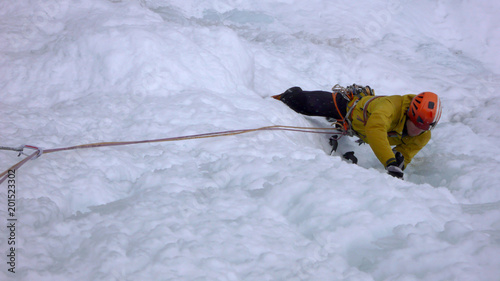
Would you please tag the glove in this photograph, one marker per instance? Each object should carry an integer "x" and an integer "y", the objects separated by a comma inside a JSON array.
[
  {"x": 400, "y": 159},
  {"x": 395, "y": 171}
]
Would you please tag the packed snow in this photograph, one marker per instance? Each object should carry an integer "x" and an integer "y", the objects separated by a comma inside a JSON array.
[{"x": 268, "y": 205}]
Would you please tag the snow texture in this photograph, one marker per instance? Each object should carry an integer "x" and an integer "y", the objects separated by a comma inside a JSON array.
[{"x": 268, "y": 205}]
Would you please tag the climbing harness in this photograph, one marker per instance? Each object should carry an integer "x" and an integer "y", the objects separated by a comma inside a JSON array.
[
  {"x": 39, "y": 151},
  {"x": 353, "y": 94}
]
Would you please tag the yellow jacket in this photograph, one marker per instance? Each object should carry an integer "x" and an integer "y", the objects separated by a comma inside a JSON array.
[{"x": 383, "y": 127}]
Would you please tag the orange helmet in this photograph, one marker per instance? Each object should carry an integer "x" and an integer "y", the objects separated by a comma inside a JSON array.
[{"x": 425, "y": 110}]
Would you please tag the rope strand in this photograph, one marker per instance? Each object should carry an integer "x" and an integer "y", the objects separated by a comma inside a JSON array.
[
  {"x": 39, "y": 152},
  {"x": 19, "y": 149}
]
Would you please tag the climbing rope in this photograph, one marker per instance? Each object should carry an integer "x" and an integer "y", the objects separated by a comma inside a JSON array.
[
  {"x": 19, "y": 149},
  {"x": 38, "y": 151}
]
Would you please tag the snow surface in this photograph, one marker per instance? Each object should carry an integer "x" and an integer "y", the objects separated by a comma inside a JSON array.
[{"x": 259, "y": 206}]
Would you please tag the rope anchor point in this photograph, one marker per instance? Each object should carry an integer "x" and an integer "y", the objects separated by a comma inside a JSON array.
[{"x": 38, "y": 149}]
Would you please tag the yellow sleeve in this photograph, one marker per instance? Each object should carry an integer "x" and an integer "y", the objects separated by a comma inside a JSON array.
[
  {"x": 376, "y": 128},
  {"x": 411, "y": 146}
]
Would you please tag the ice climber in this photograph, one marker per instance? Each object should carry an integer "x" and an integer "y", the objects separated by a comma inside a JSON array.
[{"x": 381, "y": 121}]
